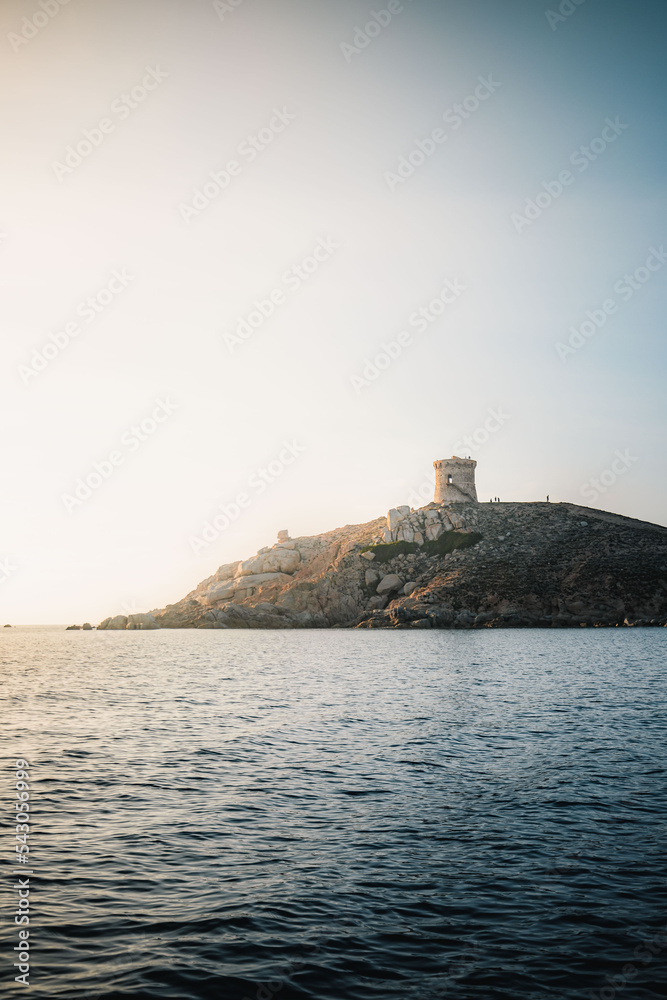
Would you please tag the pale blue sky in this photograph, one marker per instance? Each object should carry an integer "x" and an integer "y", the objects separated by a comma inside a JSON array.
[{"x": 387, "y": 250}]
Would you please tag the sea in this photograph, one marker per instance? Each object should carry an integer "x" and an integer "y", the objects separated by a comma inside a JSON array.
[{"x": 335, "y": 815}]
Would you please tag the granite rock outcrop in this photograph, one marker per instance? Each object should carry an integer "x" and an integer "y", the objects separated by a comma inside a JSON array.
[{"x": 446, "y": 565}]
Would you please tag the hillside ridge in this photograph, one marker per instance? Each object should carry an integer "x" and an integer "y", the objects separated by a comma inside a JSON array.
[{"x": 446, "y": 565}]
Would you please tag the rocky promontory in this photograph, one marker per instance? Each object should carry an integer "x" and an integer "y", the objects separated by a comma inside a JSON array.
[{"x": 446, "y": 565}]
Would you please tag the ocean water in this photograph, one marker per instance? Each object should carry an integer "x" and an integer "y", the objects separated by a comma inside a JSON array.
[{"x": 333, "y": 815}]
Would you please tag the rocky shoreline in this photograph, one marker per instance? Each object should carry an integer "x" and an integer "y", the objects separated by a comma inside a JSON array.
[{"x": 462, "y": 565}]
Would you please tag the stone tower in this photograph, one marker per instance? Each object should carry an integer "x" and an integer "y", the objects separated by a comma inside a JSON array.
[{"x": 455, "y": 479}]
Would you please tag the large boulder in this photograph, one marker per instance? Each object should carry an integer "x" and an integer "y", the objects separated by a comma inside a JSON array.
[
  {"x": 219, "y": 592},
  {"x": 260, "y": 580},
  {"x": 389, "y": 583},
  {"x": 227, "y": 571},
  {"x": 141, "y": 622},
  {"x": 394, "y": 518},
  {"x": 118, "y": 622},
  {"x": 280, "y": 560},
  {"x": 466, "y": 618},
  {"x": 241, "y": 586}
]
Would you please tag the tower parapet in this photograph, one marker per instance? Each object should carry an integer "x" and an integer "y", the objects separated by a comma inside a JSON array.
[{"x": 455, "y": 479}]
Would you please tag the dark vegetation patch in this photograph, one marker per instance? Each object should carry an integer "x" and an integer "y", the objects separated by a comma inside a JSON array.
[{"x": 450, "y": 540}]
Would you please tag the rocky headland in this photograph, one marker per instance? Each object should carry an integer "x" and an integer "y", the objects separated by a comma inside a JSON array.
[{"x": 446, "y": 565}]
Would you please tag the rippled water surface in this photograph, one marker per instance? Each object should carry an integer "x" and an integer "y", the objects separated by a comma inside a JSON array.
[{"x": 339, "y": 815}]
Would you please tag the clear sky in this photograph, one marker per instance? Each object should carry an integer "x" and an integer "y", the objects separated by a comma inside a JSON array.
[{"x": 215, "y": 218}]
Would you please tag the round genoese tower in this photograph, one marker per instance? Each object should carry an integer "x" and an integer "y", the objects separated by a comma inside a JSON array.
[{"x": 455, "y": 480}]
